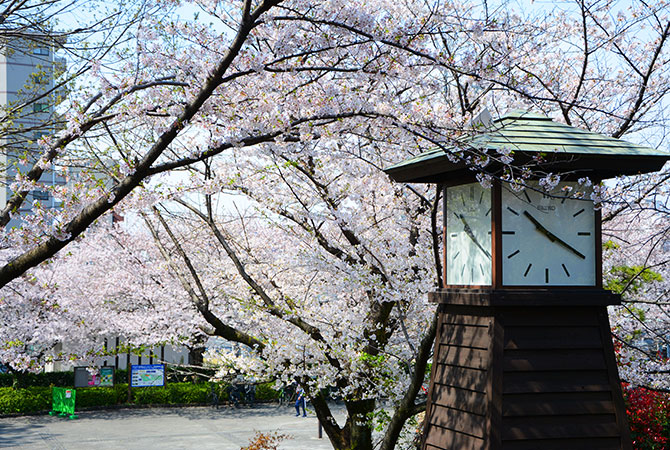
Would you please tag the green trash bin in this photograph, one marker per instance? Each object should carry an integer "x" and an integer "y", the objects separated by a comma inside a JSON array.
[{"x": 63, "y": 400}]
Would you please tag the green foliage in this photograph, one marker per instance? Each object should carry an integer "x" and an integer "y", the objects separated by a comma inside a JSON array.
[
  {"x": 378, "y": 368},
  {"x": 38, "y": 398},
  {"x": 24, "y": 400},
  {"x": 610, "y": 245},
  {"x": 381, "y": 418},
  {"x": 172, "y": 394},
  {"x": 101, "y": 396},
  {"x": 27, "y": 379},
  {"x": 265, "y": 392},
  {"x": 630, "y": 278}
]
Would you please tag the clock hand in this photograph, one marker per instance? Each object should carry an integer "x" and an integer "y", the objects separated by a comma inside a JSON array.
[
  {"x": 471, "y": 235},
  {"x": 551, "y": 236}
]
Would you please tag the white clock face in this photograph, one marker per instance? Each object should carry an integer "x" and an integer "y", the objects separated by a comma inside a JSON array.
[
  {"x": 468, "y": 235},
  {"x": 547, "y": 239}
]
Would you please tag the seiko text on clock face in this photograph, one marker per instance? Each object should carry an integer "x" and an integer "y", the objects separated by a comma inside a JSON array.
[
  {"x": 547, "y": 238},
  {"x": 468, "y": 235}
]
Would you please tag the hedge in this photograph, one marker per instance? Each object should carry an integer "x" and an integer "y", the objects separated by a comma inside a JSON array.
[
  {"x": 24, "y": 400},
  {"x": 38, "y": 398},
  {"x": 171, "y": 394},
  {"x": 27, "y": 379}
]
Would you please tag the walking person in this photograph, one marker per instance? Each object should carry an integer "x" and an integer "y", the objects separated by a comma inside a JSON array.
[
  {"x": 300, "y": 401},
  {"x": 250, "y": 394}
]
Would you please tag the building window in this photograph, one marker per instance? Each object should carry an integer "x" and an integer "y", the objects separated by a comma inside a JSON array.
[
  {"x": 40, "y": 107},
  {"x": 40, "y": 195},
  {"x": 40, "y": 51}
]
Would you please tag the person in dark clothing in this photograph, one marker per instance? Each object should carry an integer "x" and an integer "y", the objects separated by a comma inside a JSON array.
[
  {"x": 234, "y": 394},
  {"x": 300, "y": 401},
  {"x": 250, "y": 394}
]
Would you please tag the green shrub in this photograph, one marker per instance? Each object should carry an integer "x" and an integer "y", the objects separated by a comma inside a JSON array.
[
  {"x": 6, "y": 380},
  {"x": 38, "y": 398},
  {"x": 100, "y": 396},
  {"x": 151, "y": 395},
  {"x": 185, "y": 393},
  {"x": 27, "y": 379},
  {"x": 265, "y": 392},
  {"x": 24, "y": 400},
  {"x": 173, "y": 393}
]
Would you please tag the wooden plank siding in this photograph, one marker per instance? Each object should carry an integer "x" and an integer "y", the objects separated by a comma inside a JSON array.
[
  {"x": 517, "y": 378},
  {"x": 457, "y": 408},
  {"x": 557, "y": 392}
]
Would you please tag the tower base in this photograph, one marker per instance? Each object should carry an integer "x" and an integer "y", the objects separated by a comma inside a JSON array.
[{"x": 526, "y": 369}]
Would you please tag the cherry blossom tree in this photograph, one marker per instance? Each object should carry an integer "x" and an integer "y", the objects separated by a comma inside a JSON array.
[
  {"x": 352, "y": 65},
  {"x": 637, "y": 259}
]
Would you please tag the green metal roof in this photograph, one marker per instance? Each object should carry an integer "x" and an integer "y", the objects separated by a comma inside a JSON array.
[{"x": 565, "y": 147}]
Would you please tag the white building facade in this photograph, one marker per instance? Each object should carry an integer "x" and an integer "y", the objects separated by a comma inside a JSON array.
[{"x": 27, "y": 112}]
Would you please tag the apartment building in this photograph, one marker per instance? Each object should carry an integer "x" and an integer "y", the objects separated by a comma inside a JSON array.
[{"x": 27, "y": 112}]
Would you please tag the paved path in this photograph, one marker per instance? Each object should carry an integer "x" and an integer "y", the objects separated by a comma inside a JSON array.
[{"x": 164, "y": 428}]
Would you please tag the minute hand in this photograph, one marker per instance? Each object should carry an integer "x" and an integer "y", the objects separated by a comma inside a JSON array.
[
  {"x": 471, "y": 235},
  {"x": 551, "y": 236}
]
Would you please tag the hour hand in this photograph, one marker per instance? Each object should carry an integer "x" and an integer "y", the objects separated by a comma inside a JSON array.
[
  {"x": 551, "y": 236},
  {"x": 471, "y": 235}
]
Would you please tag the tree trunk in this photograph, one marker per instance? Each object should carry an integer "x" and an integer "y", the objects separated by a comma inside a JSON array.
[
  {"x": 360, "y": 424},
  {"x": 356, "y": 433}
]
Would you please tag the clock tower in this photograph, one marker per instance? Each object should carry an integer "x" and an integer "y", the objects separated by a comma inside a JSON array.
[{"x": 523, "y": 355}]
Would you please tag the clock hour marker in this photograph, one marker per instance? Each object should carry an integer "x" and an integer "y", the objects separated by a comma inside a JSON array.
[
  {"x": 513, "y": 254},
  {"x": 481, "y": 197},
  {"x": 564, "y": 199},
  {"x": 482, "y": 269},
  {"x": 463, "y": 199},
  {"x": 546, "y": 275},
  {"x": 584, "y": 233},
  {"x": 578, "y": 212},
  {"x": 566, "y": 270},
  {"x": 512, "y": 211},
  {"x": 453, "y": 235},
  {"x": 527, "y": 197},
  {"x": 456, "y": 255},
  {"x": 509, "y": 232},
  {"x": 462, "y": 270},
  {"x": 527, "y": 270},
  {"x": 488, "y": 212}
]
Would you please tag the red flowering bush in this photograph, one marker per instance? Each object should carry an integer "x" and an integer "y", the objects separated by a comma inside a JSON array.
[{"x": 649, "y": 416}]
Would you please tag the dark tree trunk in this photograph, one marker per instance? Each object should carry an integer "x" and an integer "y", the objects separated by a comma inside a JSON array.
[
  {"x": 357, "y": 431},
  {"x": 360, "y": 424}
]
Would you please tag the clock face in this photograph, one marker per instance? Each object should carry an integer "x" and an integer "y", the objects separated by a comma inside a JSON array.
[
  {"x": 547, "y": 238},
  {"x": 468, "y": 235}
]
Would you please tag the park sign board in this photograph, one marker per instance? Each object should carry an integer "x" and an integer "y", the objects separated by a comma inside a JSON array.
[
  {"x": 93, "y": 376},
  {"x": 145, "y": 375},
  {"x": 106, "y": 376}
]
